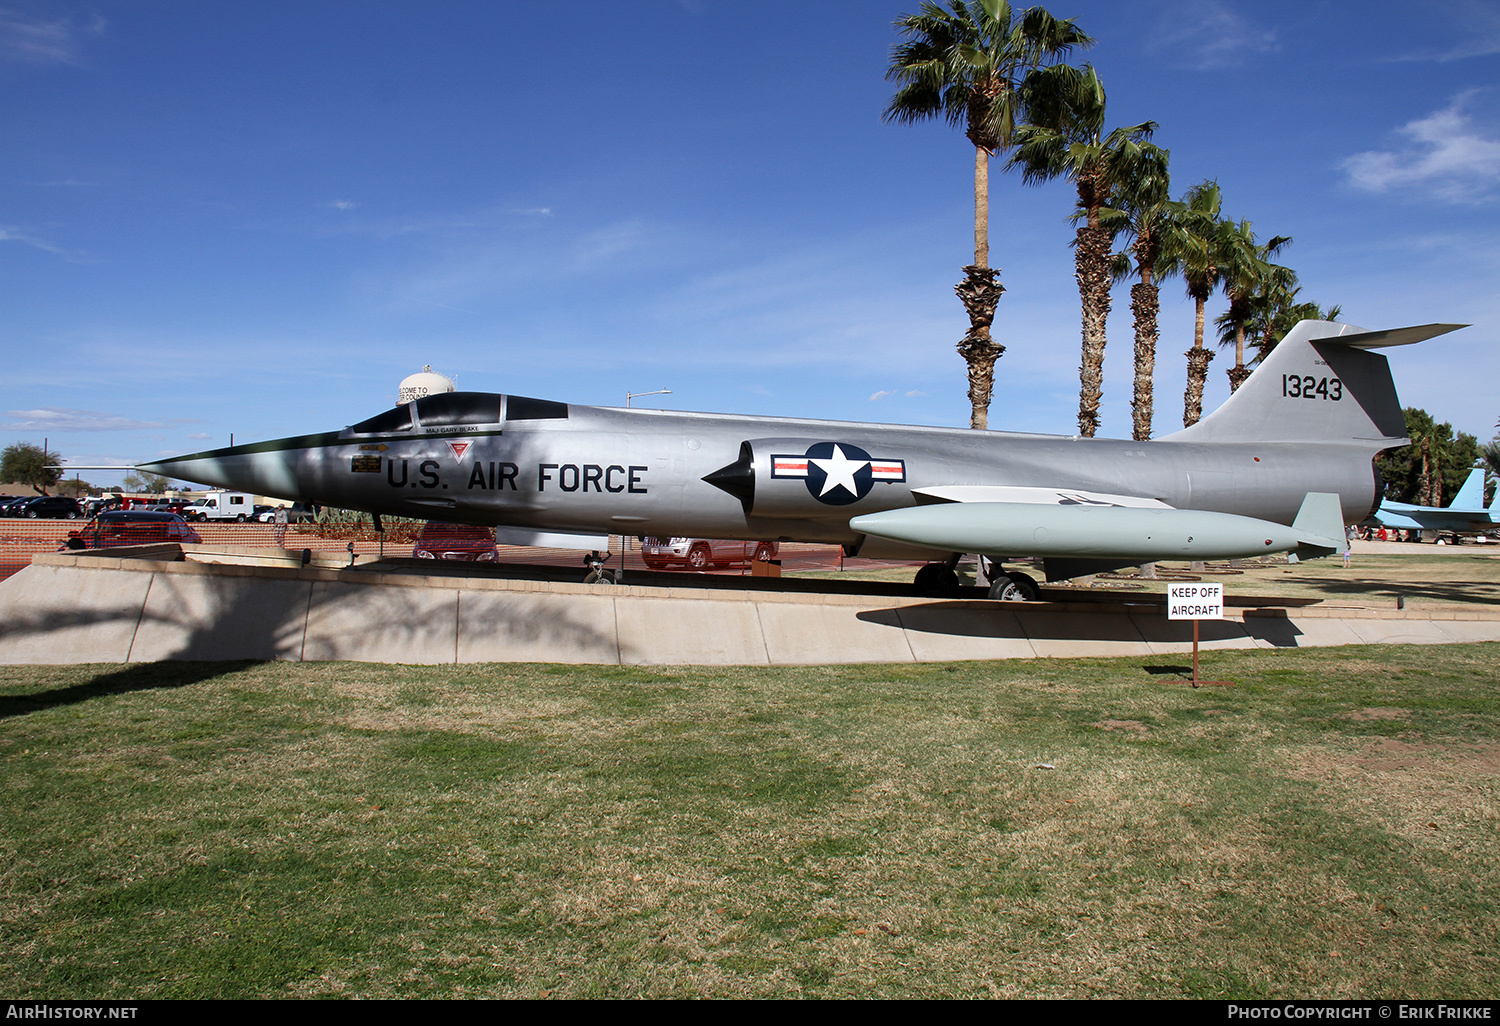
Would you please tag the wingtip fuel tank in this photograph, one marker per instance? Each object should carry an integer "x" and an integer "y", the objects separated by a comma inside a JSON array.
[{"x": 1080, "y": 532}]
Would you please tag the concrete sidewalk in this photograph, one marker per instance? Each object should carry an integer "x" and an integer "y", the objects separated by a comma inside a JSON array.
[{"x": 215, "y": 604}]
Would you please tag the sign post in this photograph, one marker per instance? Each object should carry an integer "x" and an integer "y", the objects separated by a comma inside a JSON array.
[{"x": 1196, "y": 601}]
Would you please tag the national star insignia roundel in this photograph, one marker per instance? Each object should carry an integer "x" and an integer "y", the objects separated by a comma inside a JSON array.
[{"x": 837, "y": 473}]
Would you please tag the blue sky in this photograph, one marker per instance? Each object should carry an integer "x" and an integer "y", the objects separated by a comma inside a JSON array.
[{"x": 257, "y": 218}]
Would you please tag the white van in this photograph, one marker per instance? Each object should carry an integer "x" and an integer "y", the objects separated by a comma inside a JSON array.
[{"x": 238, "y": 506}]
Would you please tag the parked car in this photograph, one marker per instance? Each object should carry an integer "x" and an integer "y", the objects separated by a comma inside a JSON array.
[
  {"x": 296, "y": 513},
  {"x": 701, "y": 553},
  {"x": 49, "y": 507},
  {"x": 456, "y": 541},
  {"x": 131, "y": 527},
  {"x": 15, "y": 506}
]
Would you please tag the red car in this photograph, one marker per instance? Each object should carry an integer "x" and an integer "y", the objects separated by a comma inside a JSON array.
[
  {"x": 456, "y": 541},
  {"x": 131, "y": 527}
]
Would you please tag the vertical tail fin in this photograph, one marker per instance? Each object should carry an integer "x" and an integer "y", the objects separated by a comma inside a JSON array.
[
  {"x": 1471, "y": 494},
  {"x": 1320, "y": 384}
]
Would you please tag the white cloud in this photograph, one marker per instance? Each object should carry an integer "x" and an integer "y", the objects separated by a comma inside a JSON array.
[
  {"x": 1478, "y": 25},
  {"x": 343, "y": 204},
  {"x": 51, "y": 418},
  {"x": 1211, "y": 34},
  {"x": 1448, "y": 158},
  {"x": 10, "y": 234},
  {"x": 37, "y": 41},
  {"x": 879, "y": 396}
]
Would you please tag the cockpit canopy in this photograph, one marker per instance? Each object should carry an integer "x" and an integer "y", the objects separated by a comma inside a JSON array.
[{"x": 450, "y": 410}]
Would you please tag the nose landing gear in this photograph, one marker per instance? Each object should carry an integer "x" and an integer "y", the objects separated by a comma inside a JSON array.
[{"x": 1014, "y": 586}]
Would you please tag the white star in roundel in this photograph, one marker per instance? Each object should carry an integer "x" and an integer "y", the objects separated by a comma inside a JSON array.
[{"x": 840, "y": 470}]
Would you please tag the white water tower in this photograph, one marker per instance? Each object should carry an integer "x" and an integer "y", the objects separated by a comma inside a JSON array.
[{"x": 426, "y": 382}]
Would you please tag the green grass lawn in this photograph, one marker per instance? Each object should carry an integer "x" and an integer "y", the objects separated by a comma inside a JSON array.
[{"x": 1327, "y": 827}]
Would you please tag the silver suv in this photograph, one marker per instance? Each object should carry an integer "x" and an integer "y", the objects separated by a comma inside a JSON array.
[{"x": 702, "y": 553}]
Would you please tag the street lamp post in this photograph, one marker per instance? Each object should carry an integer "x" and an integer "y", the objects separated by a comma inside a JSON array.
[{"x": 632, "y": 395}]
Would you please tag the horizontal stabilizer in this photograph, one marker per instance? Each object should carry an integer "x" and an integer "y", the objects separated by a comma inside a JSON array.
[{"x": 1396, "y": 336}]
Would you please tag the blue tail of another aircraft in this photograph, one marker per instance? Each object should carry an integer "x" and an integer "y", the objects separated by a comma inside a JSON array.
[{"x": 1471, "y": 494}]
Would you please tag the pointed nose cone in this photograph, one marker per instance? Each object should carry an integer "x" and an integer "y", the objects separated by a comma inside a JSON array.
[{"x": 277, "y": 468}]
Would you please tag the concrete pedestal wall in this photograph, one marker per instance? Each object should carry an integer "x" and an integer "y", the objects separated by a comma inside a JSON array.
[{"x": 70, "y": 608}]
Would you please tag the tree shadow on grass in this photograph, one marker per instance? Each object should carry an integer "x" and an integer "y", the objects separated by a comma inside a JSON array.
[
  {"x": 1446, "y": 592},
  {"x": 123, "y": 681}
]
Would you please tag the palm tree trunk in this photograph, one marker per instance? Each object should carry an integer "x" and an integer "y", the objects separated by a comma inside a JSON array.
[
  {"x": 981, "y": 207},
  {"x": 980, "y": 292},
  {"x": 1430, "y": 486},
  {"x": 1238, "y": 373},
  {"x": 1198, "y": 357},
  {"x": 1144, "y": 304},
  {"x": 1424, "y": 483},
  {"x": 1092, "y": 273}
]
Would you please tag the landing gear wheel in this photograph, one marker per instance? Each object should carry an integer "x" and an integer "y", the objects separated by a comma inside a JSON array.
[
  {"x": 1014, "y": 587},
  {"x": 936, "y": 580},
  {"x": 599, "y": 577},
  {"x": 698, "y": 557}
]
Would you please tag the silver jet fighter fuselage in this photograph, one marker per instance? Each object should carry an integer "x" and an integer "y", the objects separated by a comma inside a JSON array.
[{"x": 1309, "y": 420}]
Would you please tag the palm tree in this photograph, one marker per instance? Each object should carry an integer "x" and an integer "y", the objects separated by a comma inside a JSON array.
[
  {"x": 1193, "y": 251},
  {"x": 1272, "y": 312},
  {"x": 964, "y": 64},
  {"x": 1064, "y": 138},
  {"x": 1430, "y": 440},
  {"x": 1278, "y": 312},
  {"x": 1147, "y": 214},
  {"x": 1491, "y": 455},
  {"x": 1276, "y": 296},
  {"x": 1246, "y": 268}
]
